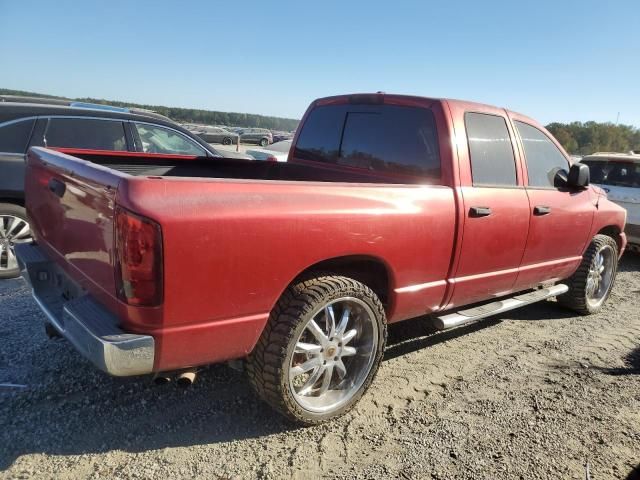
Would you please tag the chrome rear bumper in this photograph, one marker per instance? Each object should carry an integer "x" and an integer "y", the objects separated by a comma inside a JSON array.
[{"x": 80, "y": 319}]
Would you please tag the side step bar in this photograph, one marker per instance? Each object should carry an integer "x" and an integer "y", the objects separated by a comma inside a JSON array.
[{"x": 471, "y": 315}]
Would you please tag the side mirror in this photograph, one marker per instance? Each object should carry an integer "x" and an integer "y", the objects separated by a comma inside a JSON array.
[{"x": 579, "y": 176}]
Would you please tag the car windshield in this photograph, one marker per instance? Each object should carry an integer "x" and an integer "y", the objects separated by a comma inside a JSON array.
[{"x": 614, "y": 173}]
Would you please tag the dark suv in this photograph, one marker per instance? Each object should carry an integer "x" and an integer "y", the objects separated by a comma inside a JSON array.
[
  {"x": 96, "y": 128},
  {"x": 261, "y": 136}
]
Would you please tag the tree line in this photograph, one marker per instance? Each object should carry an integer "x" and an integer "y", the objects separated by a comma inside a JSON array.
[
  {"x": 186, "y": 115},
  {"x": 580, "y": 138}
]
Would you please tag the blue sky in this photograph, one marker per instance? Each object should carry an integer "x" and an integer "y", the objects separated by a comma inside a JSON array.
[{"x": 553, "y": 60}]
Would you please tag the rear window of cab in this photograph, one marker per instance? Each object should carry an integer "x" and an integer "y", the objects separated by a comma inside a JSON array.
[{"x": 384, "y": 139}]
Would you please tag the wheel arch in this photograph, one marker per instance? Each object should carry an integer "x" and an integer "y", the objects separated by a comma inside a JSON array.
[
  {"x": 372, "y": 271},
  {"x": 13, "y": 200},
  {"x": 614, "y": 232}
]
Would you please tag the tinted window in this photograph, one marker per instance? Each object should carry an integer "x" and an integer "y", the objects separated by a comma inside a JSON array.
[
  {"x": 544, "y": 159},
  {"x": 620, "y": 174},
  {"x": 14, "y": 137},
  {"x": 385, "y": 139},
  {"x": 490, "y": 150},
  {"x": 320, "y": 136},
  {"x": 162, "y": 140},
  {"x": 85, "y": 133}
]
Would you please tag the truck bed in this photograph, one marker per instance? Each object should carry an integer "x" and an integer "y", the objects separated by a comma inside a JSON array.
[{"x": 204, "y": 167}]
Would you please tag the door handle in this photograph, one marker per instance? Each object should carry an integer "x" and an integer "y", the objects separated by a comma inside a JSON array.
[
  {"x": 57, "y": 187},
  {"x": 541, "y": 210},
  {"x": 479, "y": 211}
]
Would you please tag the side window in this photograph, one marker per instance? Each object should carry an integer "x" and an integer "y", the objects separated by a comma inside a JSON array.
[
  {"x": 383, "y": 139},
  {"x": 85, "y": 133},
  {"x": 320, "y": 136},
  {"x": 14, "y": 137},
  {"x": 543, "y": 158},
  {"x": 157, "y": 139},
  {"x": 490, "y": 150}
]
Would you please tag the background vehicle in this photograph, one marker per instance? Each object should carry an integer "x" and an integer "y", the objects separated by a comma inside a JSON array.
[
  {"x": 619, "y": 176},
  {"x": 98, "y": 128},
  {"x": 276, "y": 152},
  {"x": 281, "y": 136},
  {"x": 215, "y": 134},
  {"x": 261, "y": 136},
  {"x": 391, "y": 207}
]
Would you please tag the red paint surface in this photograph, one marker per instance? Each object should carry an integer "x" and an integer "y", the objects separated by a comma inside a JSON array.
[{"x": 231, "y": 247}]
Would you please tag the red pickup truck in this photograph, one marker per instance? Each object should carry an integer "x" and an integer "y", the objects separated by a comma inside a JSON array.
[{"x": 389, "y": 207}]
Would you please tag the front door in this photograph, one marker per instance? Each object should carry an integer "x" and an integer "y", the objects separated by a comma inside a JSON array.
[{"x": 561, "y": 218}]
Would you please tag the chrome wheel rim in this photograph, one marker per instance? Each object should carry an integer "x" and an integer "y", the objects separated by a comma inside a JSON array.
[
  {"x": 600, "y": 276},
  {"x": 333, "y": 355},
  {"x": 13, "y": 230}
]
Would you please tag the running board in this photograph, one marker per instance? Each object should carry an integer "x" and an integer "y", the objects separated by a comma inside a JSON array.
[{"x": 471, "y": 315}]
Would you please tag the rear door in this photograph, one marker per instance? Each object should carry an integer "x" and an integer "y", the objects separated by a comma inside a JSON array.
[
  {"x": 495, "y": 206},
  {"x": 561, "y": 218}
]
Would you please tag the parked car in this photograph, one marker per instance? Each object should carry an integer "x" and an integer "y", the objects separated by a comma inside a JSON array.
[
  {"x": 215, "y": 135},
  {"x": 98, "y": 128},
  {"x": 281, "y": 136},
  {"x": 260, "y": 136},
  {"x": 276, "y": 152},
  {"x": 391, "y": 207},
  {"x": 619, "y": 175}
]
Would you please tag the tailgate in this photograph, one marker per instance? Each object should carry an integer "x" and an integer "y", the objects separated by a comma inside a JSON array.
[{"x": 71, "y": 204}]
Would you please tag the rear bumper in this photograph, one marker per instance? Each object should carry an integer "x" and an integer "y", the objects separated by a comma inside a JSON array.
[{"x": 81, "y": 320}]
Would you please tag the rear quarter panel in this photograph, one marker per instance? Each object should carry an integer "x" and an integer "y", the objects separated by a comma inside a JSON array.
[{"x": 231, "y": 248}]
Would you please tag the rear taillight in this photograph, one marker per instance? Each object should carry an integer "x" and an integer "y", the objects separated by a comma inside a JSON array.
[{"x": 138, "y": 259}]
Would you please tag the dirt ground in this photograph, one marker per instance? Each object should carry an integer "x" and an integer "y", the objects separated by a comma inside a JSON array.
[{"x": 536, "y": 393}]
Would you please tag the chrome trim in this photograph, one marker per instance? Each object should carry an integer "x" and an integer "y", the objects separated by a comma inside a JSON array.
[{"x": 16, "y": 120}]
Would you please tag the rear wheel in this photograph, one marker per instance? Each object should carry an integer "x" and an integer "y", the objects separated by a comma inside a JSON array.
[
  {"x": 14, "y": 229},
  {"x": 320, "y": 349},
  {"x": 590, "y": 285},
  {"x": 226, "y": 141},
  {"x": 264, "y": 142}
]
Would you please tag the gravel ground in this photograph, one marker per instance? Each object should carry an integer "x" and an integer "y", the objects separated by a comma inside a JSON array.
[{"x": 536, "y": 393}]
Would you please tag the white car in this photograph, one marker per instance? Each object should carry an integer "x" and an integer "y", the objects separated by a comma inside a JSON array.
[
  {"x": 276, "y": 152},
  {"x": 619, "y": 175}
]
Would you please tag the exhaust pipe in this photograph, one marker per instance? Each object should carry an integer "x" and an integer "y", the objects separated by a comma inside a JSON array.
[
  {"x": 161, "y": 378},
  {"x": 186, "y": 378}
]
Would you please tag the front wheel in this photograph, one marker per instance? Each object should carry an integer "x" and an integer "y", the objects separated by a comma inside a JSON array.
[
  {"x": 591, "y": 284},
  {"x": 264, "y": 142},
  {"x": 320, "y": 349},
  {"x": 226, "y": 141},
  {"x": 14, "y": 229}
]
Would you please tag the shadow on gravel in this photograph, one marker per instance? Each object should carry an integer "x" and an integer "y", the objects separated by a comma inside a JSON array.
[
  {"x": 413, "y": 335},
  {"x": 635, "y": 474},
  {"x": 632, "y": 365},
  {"x": 86, "y": 412},
  {"x": 630, "y": 262}
]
